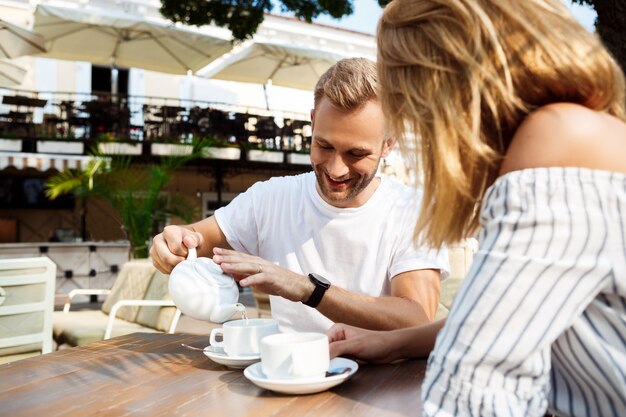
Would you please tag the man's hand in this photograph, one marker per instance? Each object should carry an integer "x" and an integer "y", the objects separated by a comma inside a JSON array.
[
  {"x": 253, "y": 271},
  {"x": 171, "y": 247},
  {"x": 368, "y": 345}
]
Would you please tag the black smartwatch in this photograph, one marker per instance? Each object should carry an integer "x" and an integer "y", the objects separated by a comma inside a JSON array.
[{"x": 321, "y": 285}]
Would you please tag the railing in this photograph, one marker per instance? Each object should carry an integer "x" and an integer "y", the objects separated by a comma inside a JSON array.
[{"x": 106, "y": 117}]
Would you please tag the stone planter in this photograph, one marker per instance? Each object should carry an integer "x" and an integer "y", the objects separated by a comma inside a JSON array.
[
  {"x": 114, "y": 148},
  {"x": 164, "y": 149},
  {"x": 11, "y": 145},
  {"x": 274, "y": 157},
  {"x": 299, "y": 158},
  {"x": 60, "y": 146},
  {"x": 221, "y": 153}
]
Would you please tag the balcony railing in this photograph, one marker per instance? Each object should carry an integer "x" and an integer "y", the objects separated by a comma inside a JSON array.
[{"x": 39, "y": 116}]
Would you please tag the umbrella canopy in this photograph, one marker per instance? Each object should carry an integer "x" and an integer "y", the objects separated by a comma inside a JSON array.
[
  {"x": 104, "y": 37},
  {"x": 17, "y": 41},
  {"x": 10, "y": 74},
  {"x": 284, "y": 65}
]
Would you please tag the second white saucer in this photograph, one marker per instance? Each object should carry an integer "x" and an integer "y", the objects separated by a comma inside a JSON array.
[
  {"x": 238, "y": 362},
  {"x": 307, "y": 386}
]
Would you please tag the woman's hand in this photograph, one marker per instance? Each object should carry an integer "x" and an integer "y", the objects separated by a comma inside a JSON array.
[
  {"x": 384, "y": 346},
  {"x": 368, "y": 345}
]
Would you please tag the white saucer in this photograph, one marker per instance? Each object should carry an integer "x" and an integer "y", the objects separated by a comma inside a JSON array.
[
  {"x": 218, "y": 355},
  {"x": 290, "y": 386}
]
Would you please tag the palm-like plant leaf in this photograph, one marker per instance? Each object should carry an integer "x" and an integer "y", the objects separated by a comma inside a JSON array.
[{"x": 135, "y": 193}]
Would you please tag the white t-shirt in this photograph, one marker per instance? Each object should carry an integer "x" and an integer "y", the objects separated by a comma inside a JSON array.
[{"x": 285, "y": 220}]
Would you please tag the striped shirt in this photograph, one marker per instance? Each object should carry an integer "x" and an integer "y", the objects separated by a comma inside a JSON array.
[{"x": 539, "y": 323}]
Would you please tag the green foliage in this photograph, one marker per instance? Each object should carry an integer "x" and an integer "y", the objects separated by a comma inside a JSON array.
[
  {"x": 134, "y": 191},
  {"x": 243, "y": 17},
  {"x": 610, "y": 26}
]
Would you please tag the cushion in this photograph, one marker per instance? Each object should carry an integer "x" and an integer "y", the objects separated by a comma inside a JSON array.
[
  {"x": 131, "y": 284},
  {"x": 79, "y": 328},
  {"x": 17, "y": 357},
  {"x": 460, "y": 257},
  {"x": 158, "y": 318}
]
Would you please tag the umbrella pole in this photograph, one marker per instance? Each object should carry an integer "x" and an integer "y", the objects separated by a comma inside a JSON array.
[
  {"x": 267, "y": 100},
  {"x": 114, "y": 83}
]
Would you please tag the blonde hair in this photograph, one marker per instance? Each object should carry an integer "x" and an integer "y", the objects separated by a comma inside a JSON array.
[
  {"x": 348, "y": 84},
  {"x": 461, "y": 75}
]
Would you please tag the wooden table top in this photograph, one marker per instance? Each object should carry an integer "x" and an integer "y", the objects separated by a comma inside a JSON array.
[{"x": 152, "y": 374}]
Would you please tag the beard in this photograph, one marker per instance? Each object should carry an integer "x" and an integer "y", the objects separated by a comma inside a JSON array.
[{"x": 352, "y": 185}]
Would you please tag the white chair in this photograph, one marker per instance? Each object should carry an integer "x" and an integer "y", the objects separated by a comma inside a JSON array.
[
  {"x": 460, "y": 257},
  {"x": 139, "y": 301},
  {"x": 27, "y": 288}
]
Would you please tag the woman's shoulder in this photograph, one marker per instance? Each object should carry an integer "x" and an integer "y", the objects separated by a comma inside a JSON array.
[{"x": 567, "y": 135}]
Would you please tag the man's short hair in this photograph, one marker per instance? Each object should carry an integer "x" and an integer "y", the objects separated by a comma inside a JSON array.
[{"x": 348, "y": 84}]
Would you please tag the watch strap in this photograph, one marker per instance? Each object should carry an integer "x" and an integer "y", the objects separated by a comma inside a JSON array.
[{"x": 318, "y": 293}]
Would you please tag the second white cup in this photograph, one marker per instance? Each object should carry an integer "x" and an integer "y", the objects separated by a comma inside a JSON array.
[
  {"x": 243, "y": 337},
  {"x": 295, "y": 355}
]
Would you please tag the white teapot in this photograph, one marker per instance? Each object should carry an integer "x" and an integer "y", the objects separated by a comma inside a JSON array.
[{"x": 200, "y": 289}]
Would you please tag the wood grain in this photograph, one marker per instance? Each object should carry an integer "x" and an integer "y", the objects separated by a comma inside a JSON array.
[{"x": 153, "y": 375}]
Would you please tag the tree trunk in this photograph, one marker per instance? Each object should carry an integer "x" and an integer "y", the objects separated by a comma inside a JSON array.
[{"x": 610, "y": 26}]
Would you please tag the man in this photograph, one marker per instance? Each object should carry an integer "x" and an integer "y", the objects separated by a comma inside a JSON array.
[{"x": 330, "y": 245}]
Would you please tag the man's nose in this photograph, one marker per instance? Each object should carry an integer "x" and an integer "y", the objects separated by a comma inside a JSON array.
[{"x": 336, "y": 167}]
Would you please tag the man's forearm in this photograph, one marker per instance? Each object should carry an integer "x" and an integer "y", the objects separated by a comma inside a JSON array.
[{"x": 376, "y": 313}]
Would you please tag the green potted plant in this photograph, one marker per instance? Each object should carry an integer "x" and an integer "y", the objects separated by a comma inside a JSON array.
[
  {"x": 55, "y": 144},
  {"x": 215, "y": 148},
  {"x": 301, "y": 156},
  {"x": 263, "y": 154},
  {"x": 110, "y": 144},
  {"x": 135, "y": 192},
  {"x": 170, "y": 146},
  {"x": 11, "y": 142}
]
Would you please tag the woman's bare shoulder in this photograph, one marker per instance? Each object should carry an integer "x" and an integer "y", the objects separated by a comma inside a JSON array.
[{"x": 567, "y": 134}]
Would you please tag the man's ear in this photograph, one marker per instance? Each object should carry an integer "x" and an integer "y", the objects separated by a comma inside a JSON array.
[
  {"x": 312, "y": 118},
  {"x": 388, "y": 146}
]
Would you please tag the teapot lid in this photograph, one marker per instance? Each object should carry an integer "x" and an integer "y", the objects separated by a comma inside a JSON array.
[
  {"x": 205, "y": 268},
  {"x": 211, "y": 266}
]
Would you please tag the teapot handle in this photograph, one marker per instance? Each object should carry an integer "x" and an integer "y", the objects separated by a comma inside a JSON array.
[{"x": 192, "y": 254}]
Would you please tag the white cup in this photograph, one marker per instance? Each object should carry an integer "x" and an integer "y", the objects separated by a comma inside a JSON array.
[
  {"x": 243, "y": 337},
  {"x": 295, "y": 355}
]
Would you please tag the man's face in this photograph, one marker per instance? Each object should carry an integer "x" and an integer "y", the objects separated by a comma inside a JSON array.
[{"x": 345, "y": 151}]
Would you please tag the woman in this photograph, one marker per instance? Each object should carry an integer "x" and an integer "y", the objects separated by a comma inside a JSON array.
[{"x": 520, "y": 113}]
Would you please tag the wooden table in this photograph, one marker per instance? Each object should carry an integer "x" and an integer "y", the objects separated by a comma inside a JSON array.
[{"x": 152, "y": 375}]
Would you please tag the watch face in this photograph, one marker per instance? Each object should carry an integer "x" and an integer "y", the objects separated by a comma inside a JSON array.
[{"x": 320, "y": 279}]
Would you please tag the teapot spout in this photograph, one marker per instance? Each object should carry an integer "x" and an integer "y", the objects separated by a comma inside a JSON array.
[{"x": 224, "y": 312}]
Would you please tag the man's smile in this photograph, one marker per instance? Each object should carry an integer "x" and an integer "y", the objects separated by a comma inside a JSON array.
[{"x": 338, "y": 183}]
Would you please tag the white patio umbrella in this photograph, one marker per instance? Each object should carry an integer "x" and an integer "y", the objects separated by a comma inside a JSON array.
[
  {"x": 283, "y": 65},
  {"x": 17, "y": 41},
  {"x": 108, "y": 38},
  {"x": 10, "y": 74}
]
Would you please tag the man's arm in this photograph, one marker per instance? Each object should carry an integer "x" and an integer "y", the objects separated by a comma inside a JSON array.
[{"x": 413, "y": 300}]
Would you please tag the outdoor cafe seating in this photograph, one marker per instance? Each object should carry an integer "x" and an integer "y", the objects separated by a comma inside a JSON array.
[
  {"x": 139, "y": 301},
  {"x": 155, "y": 374},
  {"x": 104, "y": 116}
]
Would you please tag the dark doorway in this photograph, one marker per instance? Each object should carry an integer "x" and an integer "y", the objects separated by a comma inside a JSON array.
[{"x": 101, "y": 80}]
